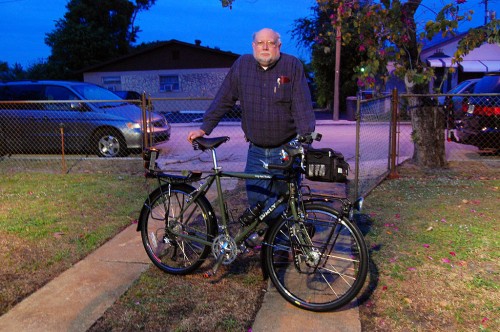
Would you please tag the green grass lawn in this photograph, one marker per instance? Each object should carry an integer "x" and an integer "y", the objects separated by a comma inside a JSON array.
[
  {"x": 48, "y": 222},
  {"x": 434, "y": 239}
]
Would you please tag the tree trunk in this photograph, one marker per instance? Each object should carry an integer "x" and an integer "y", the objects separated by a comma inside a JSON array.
[
  {"x": 428, "y": 136},
  {"x": 428, "y": 132}
]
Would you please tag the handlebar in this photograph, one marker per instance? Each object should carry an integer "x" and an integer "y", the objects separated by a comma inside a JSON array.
[
  {"x": 294, "y": 149},
  {"x": 287, "y": 165},
  {"x": 309, "y": 137}
]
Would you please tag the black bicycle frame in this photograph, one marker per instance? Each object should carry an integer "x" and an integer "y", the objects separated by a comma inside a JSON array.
[{"x": 216, "y": 177}]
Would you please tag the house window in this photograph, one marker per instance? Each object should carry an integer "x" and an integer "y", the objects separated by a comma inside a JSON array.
[
  {"x": 169, "y": 83},
  {"x": 111, "y": 80}
]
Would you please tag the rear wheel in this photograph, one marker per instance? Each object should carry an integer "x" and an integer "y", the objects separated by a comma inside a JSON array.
[
  {"x": 320, "y": 264},
  {"x": 110, "y": 143},
  {"x": 164, "y": 221}
]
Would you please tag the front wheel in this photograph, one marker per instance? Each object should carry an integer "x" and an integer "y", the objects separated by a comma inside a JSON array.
[
  {"x": 173, "y": 226},
  {"x": 320, "y": 264},
  {"x": 109, "y": 143}
]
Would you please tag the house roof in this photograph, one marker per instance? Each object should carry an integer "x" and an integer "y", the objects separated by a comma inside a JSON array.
[
  {"x": 439, "y": 52},
  {"x": 172, "y": 54}
]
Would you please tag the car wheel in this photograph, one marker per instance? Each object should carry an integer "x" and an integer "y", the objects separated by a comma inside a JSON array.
[{"x": 110, "y": 143}]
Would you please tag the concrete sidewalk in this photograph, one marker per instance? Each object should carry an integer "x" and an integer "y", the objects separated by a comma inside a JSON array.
[
  {"x": 74, "y": 300},
  {"x": 78, "y": 297}
]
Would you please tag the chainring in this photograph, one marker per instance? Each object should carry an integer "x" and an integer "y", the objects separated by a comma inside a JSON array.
[{"x": 226, "y": 246}]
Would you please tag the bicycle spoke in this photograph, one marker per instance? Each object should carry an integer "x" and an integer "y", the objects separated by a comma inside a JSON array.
[
  {"x": 324, "y": 273},
  {"x": 171, "y": 216}
]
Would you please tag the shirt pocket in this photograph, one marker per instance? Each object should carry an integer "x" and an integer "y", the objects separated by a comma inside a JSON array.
[{"x": 283, "y": 92}]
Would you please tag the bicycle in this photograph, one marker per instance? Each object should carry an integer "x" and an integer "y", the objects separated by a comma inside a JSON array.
[{"x": 314, "y": 254}]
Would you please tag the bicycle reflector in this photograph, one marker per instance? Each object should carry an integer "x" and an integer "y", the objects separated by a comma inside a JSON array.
[{"x": 149, "y": 156}]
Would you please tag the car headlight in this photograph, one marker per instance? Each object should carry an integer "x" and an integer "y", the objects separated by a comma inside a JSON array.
[{"x": 133, "y": 125}]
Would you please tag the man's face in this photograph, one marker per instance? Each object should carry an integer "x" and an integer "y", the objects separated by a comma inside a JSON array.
[{"x": 266, "y": 47}]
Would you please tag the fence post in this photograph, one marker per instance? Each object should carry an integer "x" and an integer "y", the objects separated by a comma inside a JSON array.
[
  {"x": 358, "y": 129},
  {"x": 145, "y": 138},
  {"x": 394, "y": 119},
  {"x": 63, "y": 160}
]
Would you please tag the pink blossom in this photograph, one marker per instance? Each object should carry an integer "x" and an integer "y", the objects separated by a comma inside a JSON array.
[
  {"x": 370, "y": 80},
  {"x": 412, "y": 269},
  {"x": 453, "y": 253},
  {"x": 445, "y": 260},
  {"x": 362, "y": 48},
  {"x": 426, "y": 245}
]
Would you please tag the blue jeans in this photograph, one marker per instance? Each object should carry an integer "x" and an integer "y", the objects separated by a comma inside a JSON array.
[{"x": 264, "y": 190}]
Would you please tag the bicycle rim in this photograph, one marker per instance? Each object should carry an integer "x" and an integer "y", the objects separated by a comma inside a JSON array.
[
  {"x": 174, "y": 253},
  {"x": 327, "y": 273}
]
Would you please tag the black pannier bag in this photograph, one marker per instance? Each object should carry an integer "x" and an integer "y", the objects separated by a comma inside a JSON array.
[{"x": 326, "y": 165}]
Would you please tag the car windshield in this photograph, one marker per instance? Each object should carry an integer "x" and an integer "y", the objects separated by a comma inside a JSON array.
[
  {"x": 488, "y": 84},
  {"x": 460, "y": 87},
  {"x": 94, "y": 92}
]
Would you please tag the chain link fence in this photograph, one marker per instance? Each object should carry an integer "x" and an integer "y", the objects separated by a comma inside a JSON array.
[
  {"x": 470, "y": 131},
  {"x": 78, "y": 136},
  {"x": 373, "y": 143}
]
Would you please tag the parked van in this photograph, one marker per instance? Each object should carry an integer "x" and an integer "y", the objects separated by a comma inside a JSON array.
[{"x": 36, "y": 115}]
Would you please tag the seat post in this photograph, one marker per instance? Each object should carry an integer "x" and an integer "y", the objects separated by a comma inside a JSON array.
[{"x": 214, "y": 159}]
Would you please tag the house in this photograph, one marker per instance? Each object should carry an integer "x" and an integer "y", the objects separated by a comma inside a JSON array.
[
  {"x": 438, "y": 53},
  {"x": 171, "y": 69}
]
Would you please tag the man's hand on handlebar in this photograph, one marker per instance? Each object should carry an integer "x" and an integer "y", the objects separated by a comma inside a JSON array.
[
  {"x": 195, "y": 134},
  {"x": 309, "y": 137}
]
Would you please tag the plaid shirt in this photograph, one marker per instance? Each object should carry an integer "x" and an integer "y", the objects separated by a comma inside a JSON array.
[{"x": 275, "y": 103}]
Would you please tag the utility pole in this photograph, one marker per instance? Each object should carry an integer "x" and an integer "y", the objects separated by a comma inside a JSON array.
[
  {"x": 336, "y": 82},
  {"x": 486, "y": 13}
]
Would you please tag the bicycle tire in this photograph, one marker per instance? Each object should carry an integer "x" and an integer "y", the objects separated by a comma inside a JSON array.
[
  {"x": 176, "y": 254},
  {"x": 336, "y": 269}
]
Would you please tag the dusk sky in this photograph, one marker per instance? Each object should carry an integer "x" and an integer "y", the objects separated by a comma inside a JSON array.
[{"x": 24, "y": 23}]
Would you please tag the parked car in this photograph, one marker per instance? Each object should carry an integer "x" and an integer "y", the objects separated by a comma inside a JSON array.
[
  {"x": 452, "y": 101},
  {"x": 481, "y": 125},
  {"x": 34, "y": 114}
]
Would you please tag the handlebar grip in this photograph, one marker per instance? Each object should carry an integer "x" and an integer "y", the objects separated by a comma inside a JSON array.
[{"x": 283, "y": 167}]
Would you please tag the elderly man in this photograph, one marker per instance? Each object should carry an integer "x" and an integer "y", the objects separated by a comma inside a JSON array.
[{"x": 276, "y": 106}]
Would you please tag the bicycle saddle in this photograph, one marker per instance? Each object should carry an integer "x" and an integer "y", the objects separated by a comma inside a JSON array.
[{"x": 203, "y": 143}]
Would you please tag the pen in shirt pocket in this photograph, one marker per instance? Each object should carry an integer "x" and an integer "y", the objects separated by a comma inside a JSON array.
[{"x": 282, "y": 80}]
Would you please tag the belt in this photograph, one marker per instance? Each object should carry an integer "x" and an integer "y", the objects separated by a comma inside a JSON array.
[{"x": 273, "y": 146}]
